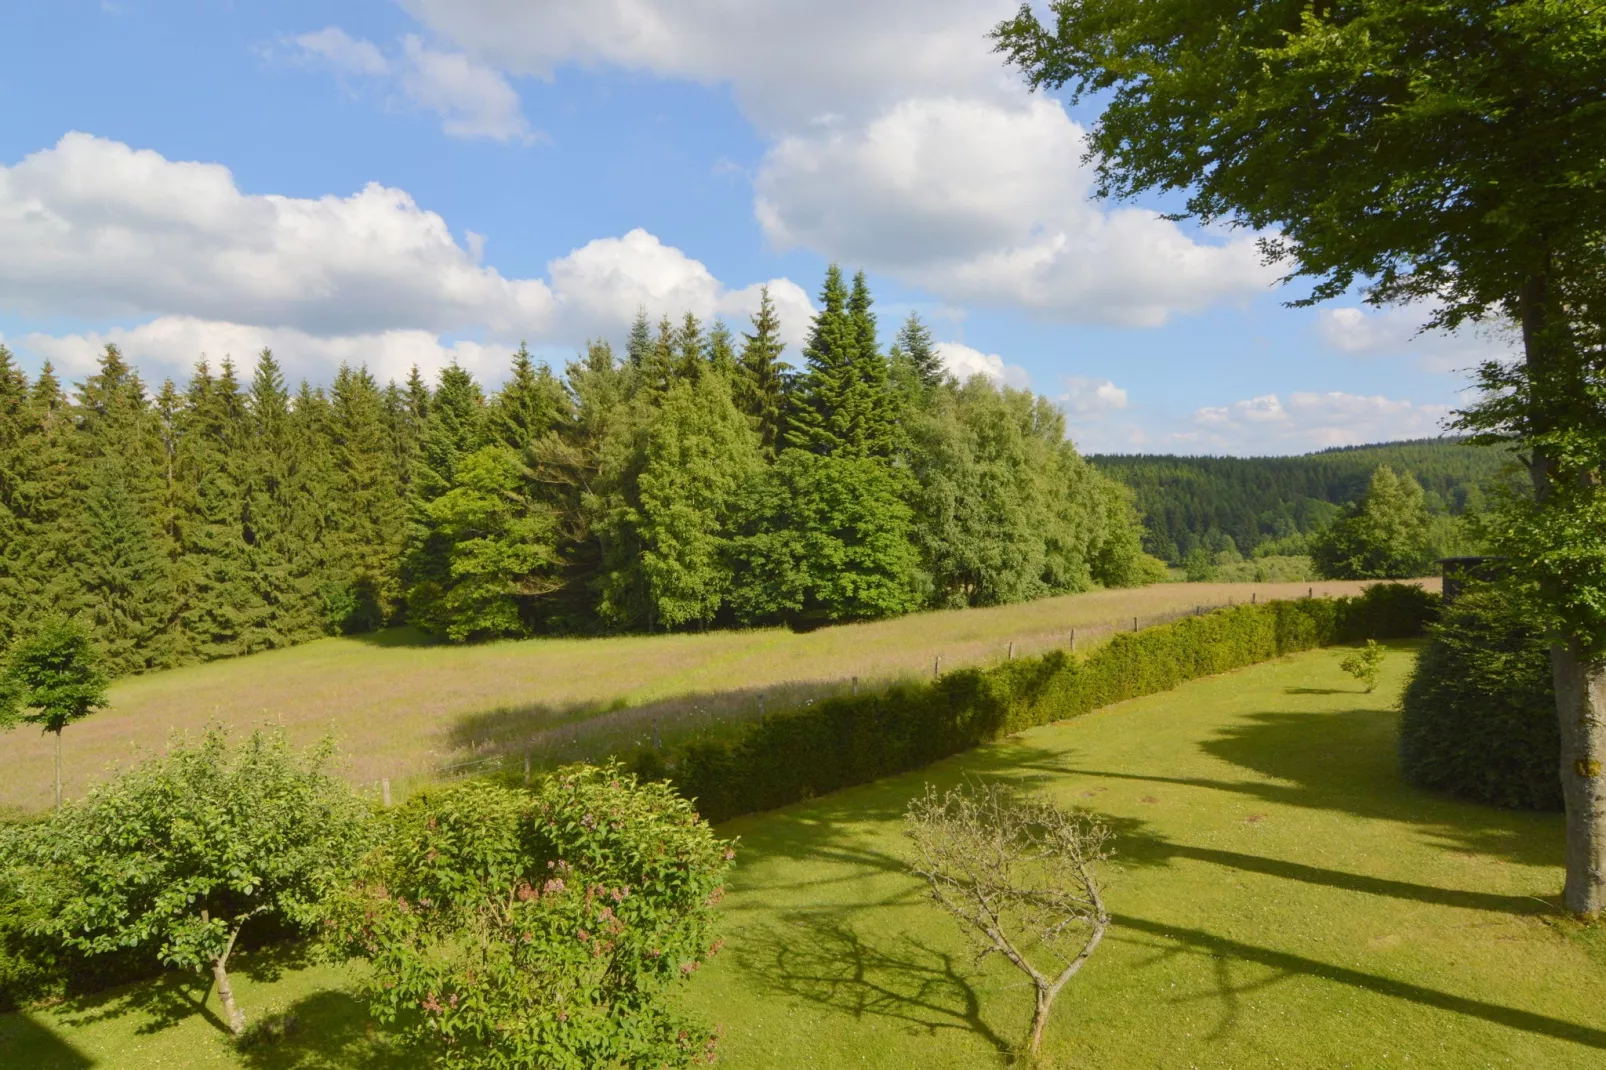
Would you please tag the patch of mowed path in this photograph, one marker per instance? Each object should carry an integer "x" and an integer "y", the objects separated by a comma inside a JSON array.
[
  {"x": 1282, "y": 899},
  {"x": 405, "y": 710}
]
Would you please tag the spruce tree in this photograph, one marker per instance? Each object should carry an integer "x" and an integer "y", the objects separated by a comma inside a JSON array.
[
  {"x": 688, "y": 347},
  {"x": 16, "y": 426},
  {"x": 47, "y": 506},
  {"x": 760, "y": 386},
  {"x": 283, "y": 565},
  {"x": 722, "y": 351},
  {"x": 914, "y": 346},
  {"x": 117, "y": 548},
  {"x": 639, "y": 345},
  {"x": 367, "y": 516},
  {"x": 844, "y": 404},
  {"x": 455, "y": 429},
  {"x": 530, "y": 405}
]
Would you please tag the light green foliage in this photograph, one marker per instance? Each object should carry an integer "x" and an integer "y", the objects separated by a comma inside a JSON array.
[
  {"x": 530, "y": 405},
  {"x": 1365, "y": 664},
  {"x": 824, "y": 538},
  {"x": 178, "y": 853},
  {"x": 498, "y": 539},
  {"x": 1200, "y": 565},
  {"x": 1385, "y": 536},
  {"x": 53, "y": 676},
  {"x": 1005, "y": 509},
  {"x": 547, "y": 928},
  {"x": 914, "y": 345}
]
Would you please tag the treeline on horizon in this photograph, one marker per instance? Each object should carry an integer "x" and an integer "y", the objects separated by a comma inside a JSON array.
[
  {"x": 696, "y": 481},
  {"x": 1271, "y": 504}
]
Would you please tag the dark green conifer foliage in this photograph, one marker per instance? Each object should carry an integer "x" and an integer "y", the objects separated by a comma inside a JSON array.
[
  {"x": 639, "y": 345},
  {"x": 226, "y": 599},
  {"x": 284, "y": 566},
  {"x": 456, "y": 428},
  {"x": 914, "y": 345},
  {"x": 844, "y": 404},
  {"x": 689, "y": 347},
  {"x": 367, "y": 517},
  {"x": 530, "y": 405},
  {"x": 118, "y": 554},
  {"x": 16, "y": 427},
  {"x": 46, "y": 503},
  {"x": 722, "y": 351},
  {"x": 760, "y": 389}
]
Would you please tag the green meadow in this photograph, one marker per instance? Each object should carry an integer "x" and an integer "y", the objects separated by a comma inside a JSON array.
[{"x": 1281, "y": 899}]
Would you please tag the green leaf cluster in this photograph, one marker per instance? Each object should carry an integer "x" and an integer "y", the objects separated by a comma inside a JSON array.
[
  {"x": 1387, "y": 535},
  {"x": 546, "y": 928}
]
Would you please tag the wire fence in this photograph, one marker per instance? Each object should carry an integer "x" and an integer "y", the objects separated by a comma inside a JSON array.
[{"x": 597, "y": 734}]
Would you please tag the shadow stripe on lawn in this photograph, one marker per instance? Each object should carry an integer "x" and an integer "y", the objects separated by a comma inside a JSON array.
[{"x": 1511, "y": 1017}]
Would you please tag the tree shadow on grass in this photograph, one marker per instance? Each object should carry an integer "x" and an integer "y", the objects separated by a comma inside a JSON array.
[
  {"x": 164, "y": 1001},
  {"x": 325, "y": 1030},
  {"x": 1173, "y": 939},
  {"x": 899, "y": 977},
  {"x": 1345, "y": 761},
  {"x": 30, "y": 1043}
]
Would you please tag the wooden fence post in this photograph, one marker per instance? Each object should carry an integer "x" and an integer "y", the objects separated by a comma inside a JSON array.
[
  {"x": 526, "y": 766},
  {"x": 1011, "y": 650},
  {"x": 936, "y": 666},
  {"x": 1073, "y": 639},
  {"x": 855, "y": 687},
  {"x": 384, "y": 790}
]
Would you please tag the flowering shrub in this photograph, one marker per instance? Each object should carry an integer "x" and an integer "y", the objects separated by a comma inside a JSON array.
[{"x": 512, "y": 928}]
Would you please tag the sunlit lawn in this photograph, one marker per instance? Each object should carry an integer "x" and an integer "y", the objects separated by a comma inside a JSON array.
[
  {"x": 1283, "y": 900},
  {"x": 409, "y": 712}
]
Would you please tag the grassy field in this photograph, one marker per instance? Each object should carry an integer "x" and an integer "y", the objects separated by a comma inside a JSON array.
[
  {"x": 409, "y": 712},
  {"x": 1282, "y": 900}
]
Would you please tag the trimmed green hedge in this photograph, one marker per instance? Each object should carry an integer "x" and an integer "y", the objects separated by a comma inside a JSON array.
[
  {"x": 1478, "y": 717},
  {"x": 839, "y": 742}
]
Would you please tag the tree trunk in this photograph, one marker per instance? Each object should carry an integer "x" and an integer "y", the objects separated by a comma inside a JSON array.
[
  {"x": 1580, "y": 679},
  {"x": 225, "y": 995},
  {"x": 58, "y": 769},
  {"x": 1045, "y": 1003},
  {"x": 1581, "y": 702}
]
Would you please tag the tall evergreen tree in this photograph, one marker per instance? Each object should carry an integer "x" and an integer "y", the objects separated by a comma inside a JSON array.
[
  {"x": 123, "y": 570},
  {"x": 455, "y": 429},
  {"x": 760, "y": 388},
  {"x": 530, "y": 405},
  {"x": 914, "y": 345},
  {"x": 722, "y": 351},
  {"x": 639, "y": 345},
  {"x": 843, "y": 403},
  {"x": 16, "y": 426},
  {"x": 367, "y": 515},
  {"x": 283, "y": 564}
]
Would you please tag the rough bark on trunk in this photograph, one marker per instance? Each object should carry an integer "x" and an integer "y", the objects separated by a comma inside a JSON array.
[
  {"x": 1581, "y": 702},
  {"x": 225, "y": 995},
  {"x": 1580, "y": 677}
]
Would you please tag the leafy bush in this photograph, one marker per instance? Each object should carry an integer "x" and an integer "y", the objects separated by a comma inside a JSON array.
[
  {"x": 1479, "y": 714},
  {"x": 509, "y": 928},
  {"x": 1366, "y": 664},
  {"x": 845, "y": 740},
  {"x": 173, "y": 857}
]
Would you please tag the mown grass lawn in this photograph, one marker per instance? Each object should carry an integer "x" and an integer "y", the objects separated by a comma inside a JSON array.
[{"x": 1283, "y": 900}]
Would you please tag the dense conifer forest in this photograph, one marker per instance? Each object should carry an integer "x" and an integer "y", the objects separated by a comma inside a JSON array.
[
  {"x": 1270, "y": 503},
  {"x": 694, "y": 480}
]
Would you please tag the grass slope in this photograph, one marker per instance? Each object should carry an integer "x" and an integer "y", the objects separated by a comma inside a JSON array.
[
  {"x": 406, "y": 711},
  {"x": 1283, "y": 900}
]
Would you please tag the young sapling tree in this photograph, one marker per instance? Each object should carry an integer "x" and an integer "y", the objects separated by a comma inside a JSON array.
[
  {"x": 52, "y": 678},
  {"x": 178, "y": 853},
  {"x": 1365, "y": 664},
  {"x": 1020, "y": 876}
]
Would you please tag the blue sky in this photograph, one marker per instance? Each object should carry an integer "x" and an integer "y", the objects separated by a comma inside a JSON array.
[{"x": 436, "y": 180}]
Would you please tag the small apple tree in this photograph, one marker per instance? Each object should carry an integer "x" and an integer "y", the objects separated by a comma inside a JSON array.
[
  {"x": 52, "y": 678},
  {"x": 178, "y": 853}
]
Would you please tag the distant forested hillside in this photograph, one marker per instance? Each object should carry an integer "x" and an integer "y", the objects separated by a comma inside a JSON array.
[{"x": 1266, "y": 501}]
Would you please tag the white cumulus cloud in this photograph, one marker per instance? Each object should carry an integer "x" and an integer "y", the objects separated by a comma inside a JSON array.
[
  {"x": 1396, "y": 330},
  {"x": 1307, "y": 421},
  {"x": 474, "y": 100},
  {"x": 962, "y": 362},
  {"x": 99, "y": 231},
  {"x": 899, "y": 141}
]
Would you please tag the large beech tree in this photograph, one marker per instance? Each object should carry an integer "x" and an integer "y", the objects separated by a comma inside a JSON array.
[{"x": 1452, "y": 154}]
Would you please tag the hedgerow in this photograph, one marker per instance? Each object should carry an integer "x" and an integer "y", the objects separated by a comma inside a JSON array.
[
  {"x": 839, "y": 742},
  {"x": 1479, "y": 714}
]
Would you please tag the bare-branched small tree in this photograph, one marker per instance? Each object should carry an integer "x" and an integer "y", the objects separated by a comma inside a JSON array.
[{"x": 1021, "y": 877}]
